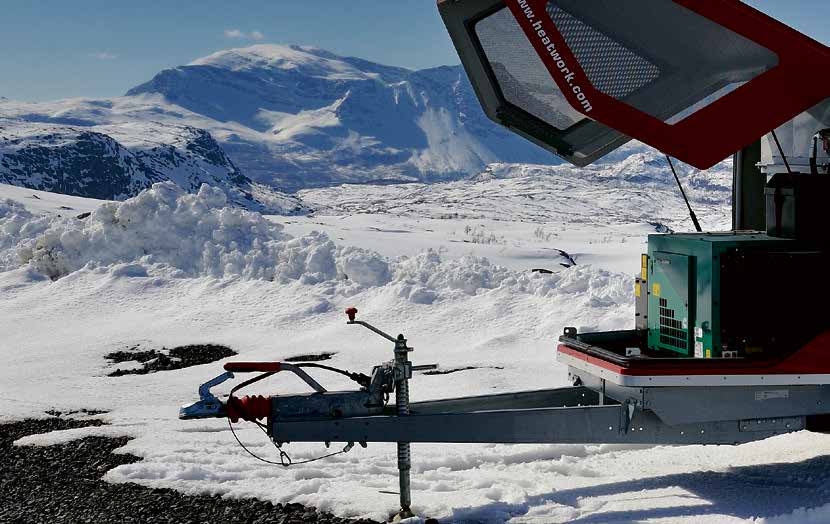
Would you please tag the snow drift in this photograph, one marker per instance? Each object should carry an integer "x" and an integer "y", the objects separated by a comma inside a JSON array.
[{"x": 165, "y": 231}]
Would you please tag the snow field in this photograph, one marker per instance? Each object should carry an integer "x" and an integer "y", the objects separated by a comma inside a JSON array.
[
  {"x": 267, "y": 320},
  {"x": 167, "y": 268}
]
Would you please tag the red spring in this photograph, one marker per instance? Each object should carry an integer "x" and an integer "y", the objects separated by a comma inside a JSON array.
[{"x": 250, "y": 408}]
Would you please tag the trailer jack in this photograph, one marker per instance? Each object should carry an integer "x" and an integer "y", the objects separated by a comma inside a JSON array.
[
  {"x": 372, "y": 398},
  {"x": 594, "y": 410}
]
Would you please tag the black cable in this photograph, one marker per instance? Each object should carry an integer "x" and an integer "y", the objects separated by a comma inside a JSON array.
[
  {"x": 360, "y": 378},
  {"x": 682, "y": 192},
  {"x": 248, "y": 383},
  {"x": 282, "y": 461},
  {"x": 285, "y": 459},
  {"x": 781, "y": 151}
]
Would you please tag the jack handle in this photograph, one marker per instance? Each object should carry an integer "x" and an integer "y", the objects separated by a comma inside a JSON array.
[{"x": 352, "y": 313}]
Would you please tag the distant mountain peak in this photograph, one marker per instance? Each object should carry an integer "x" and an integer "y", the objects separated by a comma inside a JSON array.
[
  {"x": 305, "y": 60},
  {"x": 295, "y": 116}
]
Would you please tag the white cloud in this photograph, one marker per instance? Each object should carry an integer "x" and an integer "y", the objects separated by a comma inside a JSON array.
[
  {"x": 103, "y": 55},
  {"x": 237, "y": 33}
]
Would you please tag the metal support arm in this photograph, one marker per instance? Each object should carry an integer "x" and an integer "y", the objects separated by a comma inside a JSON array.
[{"x": 608, "y": 424}]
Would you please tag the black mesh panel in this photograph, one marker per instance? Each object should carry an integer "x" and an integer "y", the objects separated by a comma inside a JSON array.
[
  {"x": 656, "y": 55},
  {"x": 520, "y": 73},
  {"x": 612, "y": 68}
]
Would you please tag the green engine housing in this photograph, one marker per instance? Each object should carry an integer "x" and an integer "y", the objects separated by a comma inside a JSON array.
[{"x": 713, "y": 295}]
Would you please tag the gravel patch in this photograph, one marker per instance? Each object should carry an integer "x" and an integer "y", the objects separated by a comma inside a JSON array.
[
  {"x": 63, "y": 483},
  {"x": 180, "y": 357}
]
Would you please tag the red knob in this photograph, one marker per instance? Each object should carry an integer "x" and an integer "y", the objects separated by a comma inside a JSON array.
[{"x": 351, "y": 312}]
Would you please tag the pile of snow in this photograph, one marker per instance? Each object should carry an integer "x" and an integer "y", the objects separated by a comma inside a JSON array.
[
  {"x": 168, "y": 230},
  {"x": 819, "y": 515},
  {"x": 165, "y": 231},
  {"x": 420, "y": 279},
  {"x": 17, "y": 227}
]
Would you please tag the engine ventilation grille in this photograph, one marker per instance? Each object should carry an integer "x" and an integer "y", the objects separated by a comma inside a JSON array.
[{"x": 671, "y": 330}]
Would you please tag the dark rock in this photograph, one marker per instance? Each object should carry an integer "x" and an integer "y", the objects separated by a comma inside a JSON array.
[
  {"x": 166, "y": 359},
  {"x": 63, "y": 484}
]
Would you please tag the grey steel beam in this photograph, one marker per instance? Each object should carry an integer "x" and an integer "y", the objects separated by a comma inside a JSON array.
[
  {"x": 582, "y": 425},
  {"x": 545, "y": 398}
]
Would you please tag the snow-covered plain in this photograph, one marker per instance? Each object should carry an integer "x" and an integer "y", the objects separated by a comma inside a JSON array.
[{"x": 167, "y": 268}]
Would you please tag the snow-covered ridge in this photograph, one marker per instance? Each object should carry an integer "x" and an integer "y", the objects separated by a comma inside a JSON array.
[
  {"x": 636, "y": 190},
  {"x": 117, "y": 161},
  {"x": 167, "y": 232},
  {"x": 642, "y": 168}
]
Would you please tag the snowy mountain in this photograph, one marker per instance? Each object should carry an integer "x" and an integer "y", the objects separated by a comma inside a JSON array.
[
  {"x": 115, "y": 162},
  {"x": 295, "y": 117},
  {"x": 69, "y": 160}
]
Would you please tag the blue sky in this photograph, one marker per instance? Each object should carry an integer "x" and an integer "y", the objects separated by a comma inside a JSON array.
[{"x": 58, "y": 49}]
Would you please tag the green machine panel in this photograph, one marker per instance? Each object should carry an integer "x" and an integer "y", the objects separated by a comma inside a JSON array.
[
  {"x": 671, "y": 281},
  {"x": 716, "y": 295}
]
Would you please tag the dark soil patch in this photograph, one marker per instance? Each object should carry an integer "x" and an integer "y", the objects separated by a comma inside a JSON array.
[
  {"x": 314, "y": 357},
  {"x": 63, "y": 484},
  {"x": 153, "y": 360},
  {"x": 83, "y": 411}
]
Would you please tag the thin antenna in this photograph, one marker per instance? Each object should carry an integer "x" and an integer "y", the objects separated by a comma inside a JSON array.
[
  {"x": 691, "y": 212},
  {"x": 781, "y": 151}
]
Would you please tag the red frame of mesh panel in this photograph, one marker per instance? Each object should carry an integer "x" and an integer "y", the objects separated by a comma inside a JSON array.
[{"x": 800, "y": 81}]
